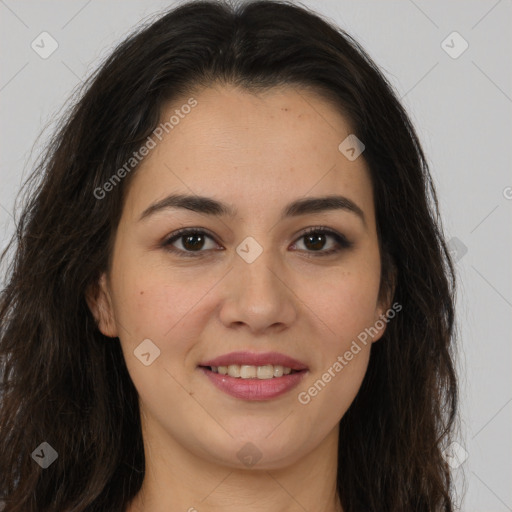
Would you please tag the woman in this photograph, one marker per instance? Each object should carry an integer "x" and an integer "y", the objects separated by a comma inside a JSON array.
[{"x": 230, "y": 289}]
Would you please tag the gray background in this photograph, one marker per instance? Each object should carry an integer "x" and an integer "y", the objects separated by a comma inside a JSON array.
[{"x": 460, "y": 106}]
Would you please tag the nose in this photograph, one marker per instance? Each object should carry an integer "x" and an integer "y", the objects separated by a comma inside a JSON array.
[{"x": 259, "y": 296}]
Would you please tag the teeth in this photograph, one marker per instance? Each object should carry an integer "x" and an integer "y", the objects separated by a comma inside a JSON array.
[
  {"x": 252, "y": 372},
  {"x": 278, "y": 371},
  {"x": 234, "y": 370},
  {"x": 265, "y": 372},
  {"x": 248, "y": 372}
]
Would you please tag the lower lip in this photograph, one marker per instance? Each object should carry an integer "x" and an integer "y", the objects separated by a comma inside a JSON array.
[{"x": 254, "y": 389}]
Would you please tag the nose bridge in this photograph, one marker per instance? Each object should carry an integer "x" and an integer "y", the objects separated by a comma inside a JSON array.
[
  {"x": 258, "y": 296},
  {"x": 256, "y": 269}
]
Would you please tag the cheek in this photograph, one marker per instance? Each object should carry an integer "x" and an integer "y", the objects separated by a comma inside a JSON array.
[
  {"x": 344, "y": 312},
  {"x": 155, "y": 304},
  {"x": 148, "y": 299},
  {"x": 346, "y": 305},
  {"x": 343, "y": 347},
  {"x": 162, "y": 304}
]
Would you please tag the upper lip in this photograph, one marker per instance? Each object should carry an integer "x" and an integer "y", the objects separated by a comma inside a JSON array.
[{"x": 255, "y": 359}]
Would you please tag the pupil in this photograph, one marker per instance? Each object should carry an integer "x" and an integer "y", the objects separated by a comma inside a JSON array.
[
  {"x": 190, "y": 245},
  {"x": 316, "y": 245}
]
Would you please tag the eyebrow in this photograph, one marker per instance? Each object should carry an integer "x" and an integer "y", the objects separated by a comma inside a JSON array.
[{"x": 210, "y": 206}]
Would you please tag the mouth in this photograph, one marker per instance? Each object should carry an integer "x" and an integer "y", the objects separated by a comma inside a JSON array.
[{"x": 250, "y": 376}]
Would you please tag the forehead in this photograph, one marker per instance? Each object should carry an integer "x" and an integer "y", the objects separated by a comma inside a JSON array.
[{"x": 249, "y": 149}]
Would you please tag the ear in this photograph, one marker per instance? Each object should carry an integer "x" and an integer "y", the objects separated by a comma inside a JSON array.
[
  {"x": 386, "y": 295},
  {"x": 99, "y": 300}
]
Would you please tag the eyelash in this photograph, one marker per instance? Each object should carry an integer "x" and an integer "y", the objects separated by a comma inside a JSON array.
[{"x": 340, "y": 239}]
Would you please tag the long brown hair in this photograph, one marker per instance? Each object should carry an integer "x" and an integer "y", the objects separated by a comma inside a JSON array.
[{"x": 66, "y": 384}]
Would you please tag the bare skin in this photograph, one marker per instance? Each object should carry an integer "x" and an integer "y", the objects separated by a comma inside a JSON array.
[{"x": 256, "y": 154}]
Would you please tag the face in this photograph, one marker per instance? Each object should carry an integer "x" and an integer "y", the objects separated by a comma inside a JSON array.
[{"x": 261, "y": 279}]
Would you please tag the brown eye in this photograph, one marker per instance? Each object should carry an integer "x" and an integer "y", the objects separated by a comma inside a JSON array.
[
  {"x": 315, "y": 240},
  {"x": 191, "y": 241}
]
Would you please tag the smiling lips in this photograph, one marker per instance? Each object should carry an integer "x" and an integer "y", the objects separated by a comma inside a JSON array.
[{"x": 252, "y": 376}]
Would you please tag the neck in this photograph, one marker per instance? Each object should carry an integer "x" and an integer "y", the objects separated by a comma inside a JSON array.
[{"x": 177, "y": 480}]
